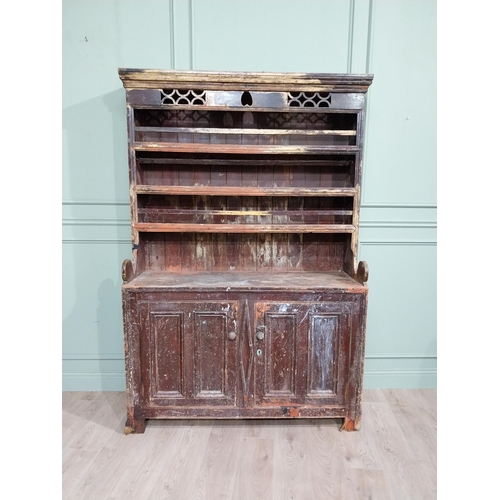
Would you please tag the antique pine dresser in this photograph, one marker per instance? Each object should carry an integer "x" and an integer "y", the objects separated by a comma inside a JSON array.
[{"x": 244, "y": 297}]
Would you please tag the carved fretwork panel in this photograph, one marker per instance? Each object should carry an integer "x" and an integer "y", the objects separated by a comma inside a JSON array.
[
  {"x": 309, "y": 99},
  {"x": 183, "y": 97}
]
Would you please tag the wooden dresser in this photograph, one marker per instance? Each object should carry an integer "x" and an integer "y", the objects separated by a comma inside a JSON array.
[{"x": 244, "y": 297}]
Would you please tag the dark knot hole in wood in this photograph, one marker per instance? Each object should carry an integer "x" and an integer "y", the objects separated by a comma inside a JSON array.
[{"x": 246, "y": 98}]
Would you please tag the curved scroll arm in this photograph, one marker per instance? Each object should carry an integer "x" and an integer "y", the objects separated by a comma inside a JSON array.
[
  {"x": 127, "y": 271},
  {"x": 362, "y": 273}
]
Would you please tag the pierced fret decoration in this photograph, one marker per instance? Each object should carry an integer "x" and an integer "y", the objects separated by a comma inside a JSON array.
[
  {"x": 297, "y": 120},
  {"x": 309, "y": 99},
  {"x": 166, "y": 118},
  {"x": 183, "y": 97}
]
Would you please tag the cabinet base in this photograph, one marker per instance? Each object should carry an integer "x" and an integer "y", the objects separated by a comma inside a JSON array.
[
  {"x": 351, "y": 424},
  {"x": 135, "y": 426},
  {"x": 138, "y": 426}
]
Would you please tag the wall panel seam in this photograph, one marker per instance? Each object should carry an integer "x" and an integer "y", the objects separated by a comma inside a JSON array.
[
  {"x": 120, "y": 357},
  {"x": 76, "y": 241},
  {"x": 398, "y": 205},
  {"x": 97, "y": 203},
  {"x": 350, "y": 36},
  {"x": 172, "y": 34},
  {"x": 95, "y": 222},
  {"x": 75, "y": 221},
  {"x": 384, "y": 371},
  {"x": 70, "y": 241},
  {"x": 366, "y": 204},
  {"x": 369, "y": 39},
  {"x": 399, "y": 242},
  {"x": 370, "y": 36},
  {"x": 367, "y": 372},
  {"x": 400, "y": 224},
  {"x": 192, "y": 38}
]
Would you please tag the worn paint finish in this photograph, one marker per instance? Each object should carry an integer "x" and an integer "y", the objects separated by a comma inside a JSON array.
[
  {"x": 152, "y": 78},
  {"x": 323, "y": 334},
  {"x": 244, "y": 297}
]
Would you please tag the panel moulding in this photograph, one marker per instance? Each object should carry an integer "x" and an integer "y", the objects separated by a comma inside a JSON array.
[{"x": 120, "y": 357}]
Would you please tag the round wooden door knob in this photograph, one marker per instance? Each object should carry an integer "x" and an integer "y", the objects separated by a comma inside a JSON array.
[{"x": 232, "y": 335}]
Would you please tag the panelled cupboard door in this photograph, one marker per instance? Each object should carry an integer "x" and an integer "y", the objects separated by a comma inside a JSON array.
[
  {"x": 301, "y": 352},
  {"x": 189, "y": 352}
]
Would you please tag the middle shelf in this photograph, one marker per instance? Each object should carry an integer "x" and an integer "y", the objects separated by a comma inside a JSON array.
[
  {"x": 243, "y": 194},
  {"x": 239, "y": 175},
  {"x": 240, "y": 214},
  {"x": 244, "y": 228},
  {"x": 243, "y": 191}
]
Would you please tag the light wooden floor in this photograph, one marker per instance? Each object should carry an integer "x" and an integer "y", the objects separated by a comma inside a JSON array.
[{"x": 392, "y": 457}]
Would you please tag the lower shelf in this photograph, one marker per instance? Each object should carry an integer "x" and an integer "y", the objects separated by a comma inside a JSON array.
[{"x": 244, "y": 228}]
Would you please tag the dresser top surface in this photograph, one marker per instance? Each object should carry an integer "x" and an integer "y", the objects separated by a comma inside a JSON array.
[
  {"x": 151, "y": 78},
  {"x": 234, "y": 281}
]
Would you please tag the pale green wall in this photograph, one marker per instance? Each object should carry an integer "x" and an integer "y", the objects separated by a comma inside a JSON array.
[{"x": 394, "y": 40}]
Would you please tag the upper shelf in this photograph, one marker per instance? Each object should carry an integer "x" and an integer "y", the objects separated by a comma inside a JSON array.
[
  {"x": 243, "y": 228},
  {"x": 241, "y": 148},
  {"x": 237, "y": 175},
  {"x": 245, "y": 191},
  {"x": 243, "y": 131},
  {"x": 243, "y": 126}
]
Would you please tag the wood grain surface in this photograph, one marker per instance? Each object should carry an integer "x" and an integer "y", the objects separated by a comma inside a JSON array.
[{"x": 392, "y": 456}]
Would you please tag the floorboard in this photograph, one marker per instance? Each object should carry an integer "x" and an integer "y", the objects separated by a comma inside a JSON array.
[{"x": 392, "y": 456}]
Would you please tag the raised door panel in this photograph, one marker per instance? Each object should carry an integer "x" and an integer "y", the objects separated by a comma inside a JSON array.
[
  {"x": 323, "y": 340},
  {"x": 280, "y": 364},
  {"x": 211, "y": 353},
  {"x": 188, "y": 353},
  {"x": 167, "y": 354},
  {"x": 329, "y": 338}
]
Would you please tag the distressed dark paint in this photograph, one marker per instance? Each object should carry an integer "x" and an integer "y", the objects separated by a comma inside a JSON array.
[{"x": 245, "y": 221}]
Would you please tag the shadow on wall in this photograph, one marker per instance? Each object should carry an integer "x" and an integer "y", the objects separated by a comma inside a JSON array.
[{"x": 96, "y": 241}]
